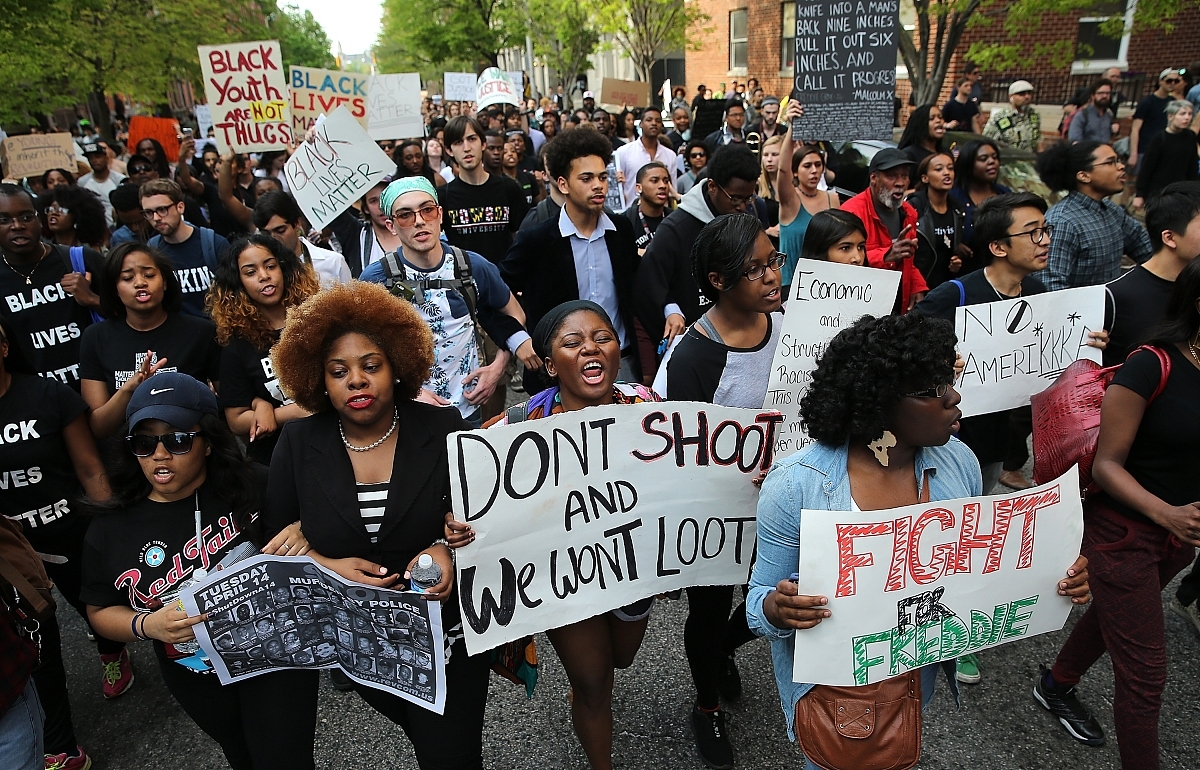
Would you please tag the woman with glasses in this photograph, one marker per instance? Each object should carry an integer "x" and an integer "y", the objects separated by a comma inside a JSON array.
[
  {"x": 184, "y": 499},
  {"x": 696, "y": 158},
  {"x": 725, "y": 358},
  {"x": 799, "y": 197},
  {"x": 975, "y": 173},
  {"x": 74, "y": 217},
  {"x": 883, "y": 415},
  {"x": 145, "y": 332}
]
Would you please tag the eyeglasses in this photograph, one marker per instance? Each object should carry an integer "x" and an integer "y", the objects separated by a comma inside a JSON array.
[
  {"x": 177, "y": 443},
  {"x": 758, "y": 271},
  {"x": 936, "y": 392},
  {"x": 24, "y": 219},
  {"x": 1037, "y": 234},
  {"x": 160, "y": 211},
  {"x": 408, "y": 217},
  {"x": 1113, "y": 161},
  {"x": 736, "y": 200},
  {"x": 54, "y": 208}
]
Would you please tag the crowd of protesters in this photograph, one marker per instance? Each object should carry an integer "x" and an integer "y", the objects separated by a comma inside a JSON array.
[{"x": 195, "y": 355}]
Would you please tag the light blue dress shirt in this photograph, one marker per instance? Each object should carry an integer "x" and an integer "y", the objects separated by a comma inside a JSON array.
[{"x": 593, "y": 268}]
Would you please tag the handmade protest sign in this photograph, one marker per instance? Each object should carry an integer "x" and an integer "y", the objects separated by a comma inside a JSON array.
[
  {"x": 394, "y": 106},
  {"x": 458, "y": 86},
  {"x": 845, "y": 68},
  {"x": 825, "y": 298},
  {"x": 247, "y": 94},
  {"x": 629, "y": 92},
  {"x": 583, "y": 512},
  {"x": 34, "y": 154},
  {"x": 165, "y": 131},
  {"x": 336, "y": 168},
  {"x": 495, "y": 86},
  {"x": 271, "y": 612},
  {"x": 614, "y": 198},
  {"x": 1015, "y": 348},
  {"x": 930, "y": 582},
  {"x": 203, "y": 119},
  {"x": 318, "y": 92}
]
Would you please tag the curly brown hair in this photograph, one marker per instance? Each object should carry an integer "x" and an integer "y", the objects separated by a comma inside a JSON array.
[
  {"x": 231, "y": 308},
  {"x": 356, "y": 307}
]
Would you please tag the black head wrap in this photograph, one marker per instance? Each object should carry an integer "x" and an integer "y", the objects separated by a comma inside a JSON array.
[{"x": 543, "y": 333}]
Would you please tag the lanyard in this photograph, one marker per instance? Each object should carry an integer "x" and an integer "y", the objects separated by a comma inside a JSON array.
[{"x": 642, "y": 219}]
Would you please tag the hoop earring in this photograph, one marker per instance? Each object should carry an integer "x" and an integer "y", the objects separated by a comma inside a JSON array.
[{"x": 881, "y": 445}]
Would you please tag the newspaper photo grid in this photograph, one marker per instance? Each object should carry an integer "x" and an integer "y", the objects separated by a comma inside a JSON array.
[{"x": 269, "y": 613}]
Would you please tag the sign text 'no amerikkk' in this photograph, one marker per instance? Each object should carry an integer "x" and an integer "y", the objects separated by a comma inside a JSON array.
[
  {"x": 583, "y": 512},
  {"x": 932, "y": 581}
]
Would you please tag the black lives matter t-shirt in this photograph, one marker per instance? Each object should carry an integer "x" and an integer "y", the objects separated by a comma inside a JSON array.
[
  {"x": 1136, "y": 304},
  {"x": 46, "y": 321},
  {"x": 483, "y": 218},
  {"x": 38, "y": 486},
  {"x": 247, "y": 374},
  {"x": 112, "y": 352}
]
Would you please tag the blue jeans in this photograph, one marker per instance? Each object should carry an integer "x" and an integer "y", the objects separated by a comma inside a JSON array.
[{"x": 21, "y": 732}]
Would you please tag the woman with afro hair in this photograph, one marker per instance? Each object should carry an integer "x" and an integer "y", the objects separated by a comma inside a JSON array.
[
  {"x": 256, "y": 281},
  {"x": 882, "y": 411},
  {"x": 74, "y": 216},
  {"x": 368, "y": 477}
]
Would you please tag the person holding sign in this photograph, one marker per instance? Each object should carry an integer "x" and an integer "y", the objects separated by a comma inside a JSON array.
[
  {"x": 369, "y": 477},
  {"x": 800, "y": 201},
  {"x": 184, "y": 498},
  {"x": 1139, "y": 532},
  {"x": 883, "y": 411}
]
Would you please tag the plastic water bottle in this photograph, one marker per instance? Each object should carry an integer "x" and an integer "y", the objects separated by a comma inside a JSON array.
[{"x": 425, "y": 575}]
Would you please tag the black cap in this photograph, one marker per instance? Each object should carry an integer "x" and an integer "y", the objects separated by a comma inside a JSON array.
[
  {"x": 93, "y": 148},
  {"x": 173, "y": 397},
  {"x": 889, "y": 159}
]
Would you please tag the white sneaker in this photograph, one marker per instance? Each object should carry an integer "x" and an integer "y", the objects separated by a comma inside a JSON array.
[{"x": 1190, "y": 613}]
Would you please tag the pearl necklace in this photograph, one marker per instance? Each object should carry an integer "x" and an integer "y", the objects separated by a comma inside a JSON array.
[{"x": 369, "y": 447}]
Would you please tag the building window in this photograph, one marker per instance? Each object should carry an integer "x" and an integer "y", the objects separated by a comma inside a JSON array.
[
  {"x": 1094, "y": 50},
  {"x": 787, "y": 45},
  {"x": 737, "y": 39}
]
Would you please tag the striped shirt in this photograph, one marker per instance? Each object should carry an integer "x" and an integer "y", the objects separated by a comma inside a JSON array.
[{"x": 372, "y": 499}]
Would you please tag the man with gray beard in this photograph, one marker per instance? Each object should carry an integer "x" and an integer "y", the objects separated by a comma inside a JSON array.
[{"x": 891, "y": 224}]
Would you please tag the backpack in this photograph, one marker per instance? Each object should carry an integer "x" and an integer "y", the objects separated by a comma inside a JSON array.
[
  {"x": 1066, "y": 418},
  {"x": 396, "y": 279},
  {"x": 208, "y": 246},
  {"x": 75, "y": 264}
]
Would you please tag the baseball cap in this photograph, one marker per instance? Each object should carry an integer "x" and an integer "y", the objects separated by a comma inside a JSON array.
[
  {"x": 93, "y": 148},
  {"x": 588, "y": 95},
  {"x": 1020, "y": 87},
  {"x": 173, "y": 397},
  {"x": 1171, "y": 71},
  {"x": 888, "y": 159}
]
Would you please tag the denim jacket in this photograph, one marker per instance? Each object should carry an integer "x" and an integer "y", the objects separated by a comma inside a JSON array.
[{"x": 816, "y": 478}]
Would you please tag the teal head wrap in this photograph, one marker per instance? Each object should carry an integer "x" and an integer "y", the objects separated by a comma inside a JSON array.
[{"x": 401, "y": 186}]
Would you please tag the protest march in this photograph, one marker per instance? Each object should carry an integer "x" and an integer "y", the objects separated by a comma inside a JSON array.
[{"x": 472, "y": 403}]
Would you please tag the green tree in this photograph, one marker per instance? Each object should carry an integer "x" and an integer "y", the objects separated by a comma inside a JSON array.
[
  {"x": 647, "y": 29},
  {"x": 302, "y": 39},
  {"x": 564, "y": 33},
  {"x": 420, "y": 34}
]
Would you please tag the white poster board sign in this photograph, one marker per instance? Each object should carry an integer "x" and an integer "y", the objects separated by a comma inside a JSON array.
[
  {"x": 203, "y": 119},
  {"x": 336, "y": 168},
  {"x": 495, "y": 87},
  {"x": 518, "y": 79},
  {"x": 1016, "y": 348},
  {"x": 458, "y": 86},
  {"x": 247, "y": 93},
  {"x": 583, "y": 512},
  {"x": 394, "y": 106},
  {"x": 929, "y": 582},
  {"x": 825, "y": 298}
]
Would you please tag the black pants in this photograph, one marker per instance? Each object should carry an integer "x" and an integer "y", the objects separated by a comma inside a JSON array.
[
  {"x": 710, "y": 636},
  {"x": 58, "y": 731},
  {"x": 1189, "y": 587},
  {"x": 268, "y": 722},
  {"x": 453, "y": 740},
  {"x": 1020, "y": 425}
]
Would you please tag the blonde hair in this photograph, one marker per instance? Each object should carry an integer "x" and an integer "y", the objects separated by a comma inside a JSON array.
[{"x": 766, "y": 182}]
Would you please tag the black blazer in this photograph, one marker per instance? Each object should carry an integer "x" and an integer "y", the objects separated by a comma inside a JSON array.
[
  {"x": 540, "y": 268},
  {"x": 312, "y": 481}
]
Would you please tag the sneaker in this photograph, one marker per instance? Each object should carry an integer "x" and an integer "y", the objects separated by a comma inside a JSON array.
[
  {"x": 1190, "y": 613},
  {"x": 712, "y": 739},
  {"x": 1015, "y": 480},
  {"x": 340, "y": 681},
  {"x": 118, "y": 674},
  {"x": 730, "y": 682},
  {"x": 517, "y": 383},
  {"x": 77, "y": 761},
  {"x": 968, "y": 670},
  {"x": 1063, "y": 704}
]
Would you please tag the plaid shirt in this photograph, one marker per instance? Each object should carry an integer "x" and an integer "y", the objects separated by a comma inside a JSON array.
[{"x": 1090, "y": 236}]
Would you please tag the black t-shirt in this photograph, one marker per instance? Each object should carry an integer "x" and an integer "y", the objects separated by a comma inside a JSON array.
[
  {"x": 247, "y": 374},
  {"x": 943, "y": 247},
  {"x": 46, "y": 321},
  {"x": 112, "y": 352},
  {"x": 192, "y": 269},
  {"x": 955, "y": 110},
  {"x": 985, "y": 434},
  {"x": 222, "y": 221},
  {"x": 1137, "y": 301},
  {"x": 482, "y": 218},
  {"x": 38, "y": 486},
  {"x": 528, "y": 187},
  {"x": 644, "y": 227},
  {"x": 1164, "y": 456},
  {"x": 1152, "y": 111}
]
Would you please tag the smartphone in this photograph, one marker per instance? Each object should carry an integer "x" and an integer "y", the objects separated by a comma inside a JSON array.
[{"x": 187, "y": 133}]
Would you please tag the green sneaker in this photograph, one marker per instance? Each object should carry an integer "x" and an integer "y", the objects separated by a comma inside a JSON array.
[{"x": 968, "y": 670}]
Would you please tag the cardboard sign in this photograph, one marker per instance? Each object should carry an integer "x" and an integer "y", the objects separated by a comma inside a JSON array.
[
  {"x": 1017, "y": 347},
  {"x": 825, "y": 298},
  {"x": 930, "y": 582},
  {"x": 164, "y": 130},
  {"x": 494, "y": 86},
  {"x": 458, "y": 86},
  {"x": 629, "y": 92},
  {"x": 247, "y": 92},
  {"x": 583, "y": 512},
  {"x": 35, "y": 154},
  {"x": 394, "y": 106},
  {"x": 318, "y": 92},
  {"x": 336, "y": 168},
  {"x": 845, "y": 70}
]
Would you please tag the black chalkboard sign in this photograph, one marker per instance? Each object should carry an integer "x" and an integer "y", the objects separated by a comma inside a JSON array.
[{"x": 845, "y": 71}]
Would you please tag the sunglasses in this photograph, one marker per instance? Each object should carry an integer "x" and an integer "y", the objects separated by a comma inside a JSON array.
[
  {"x": 141, "y": 170},
  {"x": 408, "y": 217},
  {"x": 177, "y": 443}
]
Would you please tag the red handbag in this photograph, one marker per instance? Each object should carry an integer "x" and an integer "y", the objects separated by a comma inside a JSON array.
[{"x": 1066, "y": 418}]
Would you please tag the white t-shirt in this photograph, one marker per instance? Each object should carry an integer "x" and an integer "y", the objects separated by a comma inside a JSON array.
[
  {"x": 89, "y": 182},
  {"x": 630, "y": 158},
  {"x": 331, "y": 267}
]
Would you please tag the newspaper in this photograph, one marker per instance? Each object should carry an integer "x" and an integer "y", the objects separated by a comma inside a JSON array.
[{"x": 272, "y": 612}]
